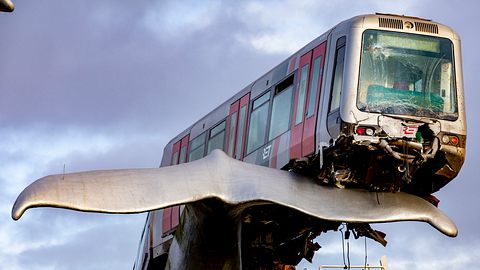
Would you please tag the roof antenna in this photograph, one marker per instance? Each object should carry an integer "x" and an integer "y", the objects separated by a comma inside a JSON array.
[{"x": 6, "y": 6}]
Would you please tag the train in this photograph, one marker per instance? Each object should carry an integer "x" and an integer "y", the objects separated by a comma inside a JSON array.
[{"x": 374, "y": 103}]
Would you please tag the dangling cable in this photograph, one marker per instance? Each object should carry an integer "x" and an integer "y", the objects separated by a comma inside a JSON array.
[
  {"x": 347, "y": 237},
  {"x": 348, "y": 253},
  {"x": 366, "y": 253},
  {"x": 343, "y": 246}
]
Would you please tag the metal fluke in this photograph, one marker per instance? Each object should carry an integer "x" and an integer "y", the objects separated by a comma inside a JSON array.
[{"x": 232, "y": 182}]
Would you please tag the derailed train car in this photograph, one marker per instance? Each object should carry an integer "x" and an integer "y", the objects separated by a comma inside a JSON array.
[{"x": 374, "y": 103}]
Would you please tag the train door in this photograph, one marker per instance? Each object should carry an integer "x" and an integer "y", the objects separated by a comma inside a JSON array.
[
  {"x": 171, "y": 215},
  {"x": 179, "y": 152},
  {"x": 305, "y": 110},
  {"x": 236, "y": 128},
  {"x": 333, "y": 116},
  {"x": 299, "y": 106},
  {"x": 175, "y": 153},
  {"x": 308, "y": 137}
]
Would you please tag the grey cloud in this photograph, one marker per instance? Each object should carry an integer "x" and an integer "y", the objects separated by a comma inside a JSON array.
[
  {"x": 133, "y": 152},
  {"x": 116, "y": 237},
  {"x": 105, "y": 71}
]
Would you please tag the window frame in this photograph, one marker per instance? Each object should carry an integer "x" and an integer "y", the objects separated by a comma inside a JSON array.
[
  {"x": 212, "y": 137},
  {"x": 341, "y": 44},
  {"x": 252, "y": 110},
  {"x": 193, "y": 148},
  {"x": 302, "y": 93},
  {"x": 314, "y": 81},
  {"x": 232, "y": 133},
  {"x": 242, "y": 137},
  {"x": 288, "y": 84}
]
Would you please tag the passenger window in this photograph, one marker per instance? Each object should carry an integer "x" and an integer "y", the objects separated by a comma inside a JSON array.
[
  {"x": 217, "y": 137},
  {"x": 314, "y": 87},
  {"x": 301, "y": 94},
  {"x": 338, "y": 75},
  {"x": 183, "y": 155},
  {"x": 281, "y": 109},
  {"x": 241, "y": 130},
  {"x": 175, "y": 158},
  {"x": 258, "y": 122},
  {"x": 232, "y": 132},
  {"x": 197, "y": 148}
]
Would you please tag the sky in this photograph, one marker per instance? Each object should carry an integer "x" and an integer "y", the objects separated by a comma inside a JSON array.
[{"x": 88, "y": 85}]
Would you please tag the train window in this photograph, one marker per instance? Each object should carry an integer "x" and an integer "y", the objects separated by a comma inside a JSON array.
[
  {"x": 217, "y": 137},
  {"x": 258, "y": 122},
  {"x": 175, "y": 158},
  {"x": 301, "y": 94},
  {"x": 197, "y": 148},
  {"x": 232, "y": 132},
  {"x": 281, "y": 107},
  {"x": 314, "y": 87},
  {"x": 338, "y": 75},
  {"x": 407, "y": 74},
  {"x": 183, "y": 154},
  {"x": 241, "y": 125}
]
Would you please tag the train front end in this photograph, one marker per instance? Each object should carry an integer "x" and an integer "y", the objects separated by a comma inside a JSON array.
[{"x": 403, "y": 122}]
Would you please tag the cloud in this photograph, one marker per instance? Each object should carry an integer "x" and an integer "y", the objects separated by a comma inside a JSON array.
[
  {"x": 429, "y": 251},
  {"x": 172, "y": 19},
  {"x": 59, "y": 239},
  {"x": 283, "y": 27},
  {"x": 411, "y": 245},
  {"x": 51, "y": 239},
  {"x": 101, "y": 67},
  {"x": 26, "y": 153}
]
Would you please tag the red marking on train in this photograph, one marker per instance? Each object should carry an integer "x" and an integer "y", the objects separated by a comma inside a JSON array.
[
  {"x": 175, "y": 216},
  {"x": 409, "y": 130},
  {"x": 167, "y": 220}
]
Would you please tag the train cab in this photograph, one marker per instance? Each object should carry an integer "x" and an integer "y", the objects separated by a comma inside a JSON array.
[{"x": 395, "y": 116}]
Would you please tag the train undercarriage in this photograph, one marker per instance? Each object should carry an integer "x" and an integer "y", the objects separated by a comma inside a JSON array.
[
  {"x": 420, "y": 166},
  {"x": 278, "y": 238},
  {"x": 252, "y": 236}
]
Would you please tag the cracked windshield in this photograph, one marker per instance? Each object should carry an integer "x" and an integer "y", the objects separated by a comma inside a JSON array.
[{"x": 407, "y": 74}]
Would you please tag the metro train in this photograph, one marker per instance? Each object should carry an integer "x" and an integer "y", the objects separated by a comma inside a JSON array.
[{"x": 374, "y": 103}]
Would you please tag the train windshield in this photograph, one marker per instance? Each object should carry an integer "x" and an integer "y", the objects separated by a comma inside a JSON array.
[{"x": 407, "y": 74}]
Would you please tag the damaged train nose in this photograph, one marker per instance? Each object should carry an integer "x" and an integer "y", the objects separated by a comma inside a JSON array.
[{"x": 397, "y": 154}]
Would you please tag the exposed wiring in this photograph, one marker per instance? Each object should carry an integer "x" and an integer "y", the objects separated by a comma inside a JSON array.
[{"x": 345, "y": 234}]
